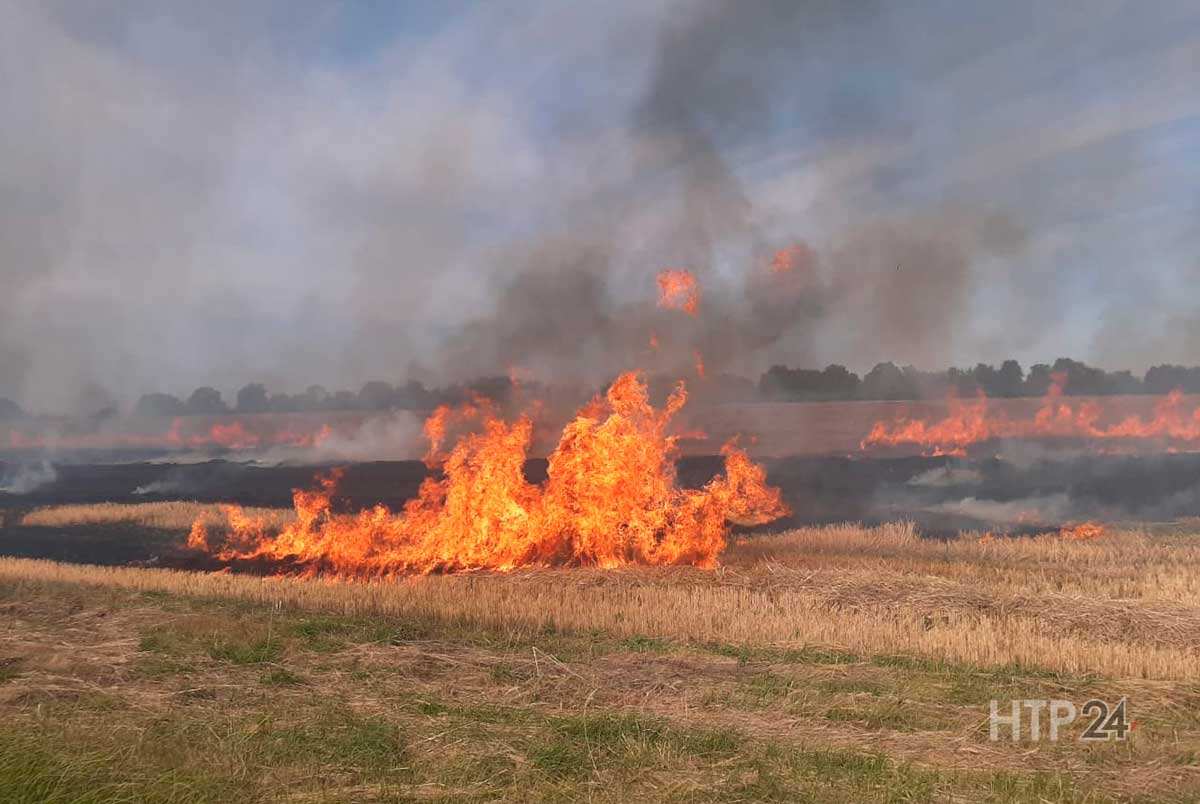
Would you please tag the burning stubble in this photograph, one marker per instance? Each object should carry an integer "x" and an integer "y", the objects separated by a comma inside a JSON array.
[{"x": 610, "y": 499}]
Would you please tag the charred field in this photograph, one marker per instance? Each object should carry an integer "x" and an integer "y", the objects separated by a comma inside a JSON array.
[{"x": 1019, "y": 488}]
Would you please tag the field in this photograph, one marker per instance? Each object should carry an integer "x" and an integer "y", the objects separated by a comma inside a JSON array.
[
  {"x": 765, "y": 428},
  {"x": 825, "y": 664}
]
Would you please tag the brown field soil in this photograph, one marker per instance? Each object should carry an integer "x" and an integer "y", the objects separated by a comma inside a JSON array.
[{"x": 820, "y": 664}]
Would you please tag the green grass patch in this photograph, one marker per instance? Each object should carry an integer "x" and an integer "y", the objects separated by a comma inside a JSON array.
[
  {"x": 10, "y": 668},
  {"x": 32, "y": 771},
  {"x": 342, "y": 739},
  {"x": 745, "y": 654},
  {"x": 645, "y": 644},
  {"x": 320, "y": 634},
  {"x": 245, "y": 651},
  {"x": 893, "y": 715},
  {"x": 941, "y": 666},
  {"x": 579, "y": 744},
  {"x": 854, "y": 685}
]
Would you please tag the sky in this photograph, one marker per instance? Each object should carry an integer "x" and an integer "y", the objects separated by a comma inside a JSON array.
[{"x": 310, "y": 191}]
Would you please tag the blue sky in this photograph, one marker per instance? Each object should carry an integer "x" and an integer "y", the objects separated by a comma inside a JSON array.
[{"x": 336, "y": 191}]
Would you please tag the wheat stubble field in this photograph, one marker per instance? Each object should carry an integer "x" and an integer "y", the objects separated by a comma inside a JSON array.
[{"x": 825, "y": 664}]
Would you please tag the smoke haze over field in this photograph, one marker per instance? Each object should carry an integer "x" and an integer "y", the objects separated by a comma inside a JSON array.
[{"x": 318, "y": 192}]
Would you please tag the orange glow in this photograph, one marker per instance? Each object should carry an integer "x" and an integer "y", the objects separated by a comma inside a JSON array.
[
  {"x": 786, "y": 259},
  {"x": 435, "y": 433},
  {"x": 970, "y": 422},
  {"x": 678, "y": 290},
  {"x": 699, "y": 364},
  {"x": 1083, "y": 532},
  {"x": 233, "y": 435},
  {"x": 610, "y": 499}
]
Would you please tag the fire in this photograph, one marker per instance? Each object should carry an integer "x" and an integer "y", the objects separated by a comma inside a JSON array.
[
  {"x": 967, "y": 423},
  {"x": 970, "y": 422},
  {"x": 699, "y": 358},
  {"x": 678, "y": 290},
  {"x": 233, "y": 435},
  {"x": 786, "y": 259},
  {"x": 1083, "y": 532},
  {"x": 610, "y": 499}
]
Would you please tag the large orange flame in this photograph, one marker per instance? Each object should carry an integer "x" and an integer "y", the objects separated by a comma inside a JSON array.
[
  {"x": 970, "y": 422},
  {"x": 610, "y": 499},
  {"x": 678, "y": 290}
]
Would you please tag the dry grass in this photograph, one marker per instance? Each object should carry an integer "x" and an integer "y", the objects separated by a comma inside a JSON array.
[
  {"x": 1124, "y": 606},
  {"x": 811, "y": 666},
  {"x": 115, "y": 695},
  {"x": 174, "y": 515}
]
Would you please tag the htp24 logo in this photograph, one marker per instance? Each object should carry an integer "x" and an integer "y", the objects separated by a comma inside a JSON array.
[{"x": 1107, "y": 722}]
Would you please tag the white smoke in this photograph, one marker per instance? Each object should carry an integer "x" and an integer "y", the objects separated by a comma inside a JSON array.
[{"x": 27, "y": 477}]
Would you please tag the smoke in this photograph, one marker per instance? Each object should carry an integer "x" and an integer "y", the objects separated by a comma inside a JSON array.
[
  {"x": 385, "y": 437},
  {"x": 1030, "y": 490},
  {"x": 946, "y": 476},
  {"x": 580, "y": 301},
  {"x": 1047, "y": 509},
  {"x": 319, "y": 192},
  {"x": 24, "y": 478}
]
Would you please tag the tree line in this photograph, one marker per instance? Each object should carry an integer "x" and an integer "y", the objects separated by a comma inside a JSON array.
[
  {"x": 889, "y": 381},
  {"x": 372, "y": 396},
  {"x": 834, "y": 382}
]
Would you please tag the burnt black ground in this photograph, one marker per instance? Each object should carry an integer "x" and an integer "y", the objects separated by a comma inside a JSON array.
[{"x": 1037, "y": 490}]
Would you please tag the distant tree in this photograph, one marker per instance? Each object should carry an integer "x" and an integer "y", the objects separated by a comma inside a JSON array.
[
  {"x": 834, "y": 382},
  {"x": 919, "y": 384},
  {"x": 497, "y": 388},
  {"x": 315, "y": 398},
  {"x": 95, "y": 401},
  {"x": 10, "y": 409},
  {"x": 413, "y": 396},
  {"x": 344, "y": 400},
  {"x": 285, "y": 403},
  {"x": 961, "y": 382},
  {"x": 985, "y": 378},
  {"x": 1123, "y": 382},
  {"x": 840, "y": 381},
  {"x": 159, "y": 405},
  {"x": 205, "y": 401},
  {"x": 1166, "y": 378},
  {"x": 779, "y": 382},
  {"x": 1010, "y": 379},
  {"x": 376, "y": 395},
  {"x": 1080, "y": 377},
  {"x": 887, "y": 381},
  {"x": 1038, "y": 381},
  {"x": 1084, "y": 379},
  {"x": 253, "y": 398}
]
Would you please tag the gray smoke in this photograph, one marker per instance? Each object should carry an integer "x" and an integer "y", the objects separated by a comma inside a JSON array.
[
  {"x": 307, "y": 192},
  {"x": 584, "y": 299},
  {"x": 23, "y": 478}
]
